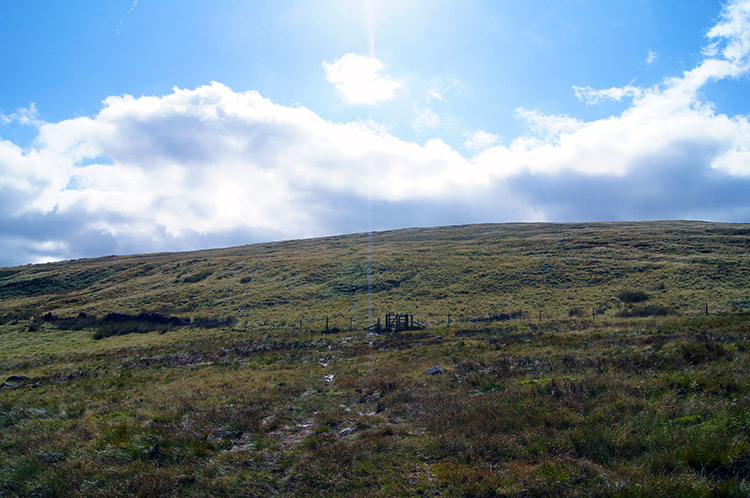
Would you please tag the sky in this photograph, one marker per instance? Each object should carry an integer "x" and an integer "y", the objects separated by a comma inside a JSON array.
[{"x": 133, "y": 126}]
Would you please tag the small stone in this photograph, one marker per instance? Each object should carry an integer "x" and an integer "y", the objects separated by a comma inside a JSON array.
[{"x": 434, "y": 370}]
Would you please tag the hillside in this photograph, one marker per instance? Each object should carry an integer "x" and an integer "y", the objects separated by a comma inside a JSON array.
[
  {"x": 465, "y": 271},
  {"x": 574, "y": 360}
]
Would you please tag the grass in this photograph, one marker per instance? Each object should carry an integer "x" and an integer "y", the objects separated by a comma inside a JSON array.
[
  {"x": 466, "y": 272},
  {"x": 574, "y": 404}
]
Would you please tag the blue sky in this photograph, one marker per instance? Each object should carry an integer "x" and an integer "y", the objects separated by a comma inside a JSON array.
[{"x": 130, "y": 127}]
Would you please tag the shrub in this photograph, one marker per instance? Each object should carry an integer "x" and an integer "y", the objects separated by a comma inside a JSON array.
[
  {"x": 630, "y": 296},
  {"x": 122, "y": 323}
]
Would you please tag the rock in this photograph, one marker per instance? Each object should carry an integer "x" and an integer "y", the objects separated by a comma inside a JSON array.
[{"x": 434, "y": 370}]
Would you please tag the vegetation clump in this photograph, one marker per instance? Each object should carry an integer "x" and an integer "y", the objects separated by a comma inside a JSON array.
[
  {"x": 123, "y": 323},
  {"x": 631, "y": 296}
]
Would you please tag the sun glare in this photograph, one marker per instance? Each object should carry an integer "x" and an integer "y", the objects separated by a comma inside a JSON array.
[{"x": 370, "y": 16}]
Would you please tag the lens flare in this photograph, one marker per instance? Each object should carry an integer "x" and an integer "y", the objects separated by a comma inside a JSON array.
[{"x": 370, "y": 12}]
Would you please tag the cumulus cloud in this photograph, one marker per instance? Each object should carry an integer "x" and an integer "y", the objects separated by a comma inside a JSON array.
[
  {"x": 198, "y": 163},
  {"x": 359, "y": 79},
  {"x": 651, "y": 57},
  {"x": 668, "y": 155},
  {"x": 210, "y": 166}
]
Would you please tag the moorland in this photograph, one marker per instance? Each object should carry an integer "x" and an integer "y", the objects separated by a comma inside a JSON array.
[{"x": 598, "y": 359}]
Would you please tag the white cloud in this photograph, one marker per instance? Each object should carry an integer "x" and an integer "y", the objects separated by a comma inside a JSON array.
[
  {"x": 359, "y": 79},
  {"x": 665, "y": 122},
  {"x": 210, "y": 166},
  {"x": 130, "y": 11},
  {"x": 730, "y": 37},
  {"x": 25, "y": 116},
  {"x": 434, "y": 93},
  {"x": 591, "y": 96},
  {"x": 479, "y": 140},
  {"x": 426, "y": 119},
  {"x": 439, "y": 91},
  {"x": 549, "y": 127},
  {"x": 651, "y": 57},
  {"x": 210, "y": 161}
]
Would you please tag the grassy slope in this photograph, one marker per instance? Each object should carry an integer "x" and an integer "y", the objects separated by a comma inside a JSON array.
[
  {"x": 562, "y": 406},
  {"x": 467, "y": 270}
]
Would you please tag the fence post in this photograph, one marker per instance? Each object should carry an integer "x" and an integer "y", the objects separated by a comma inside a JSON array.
[{"x": 326, "y": 324}]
